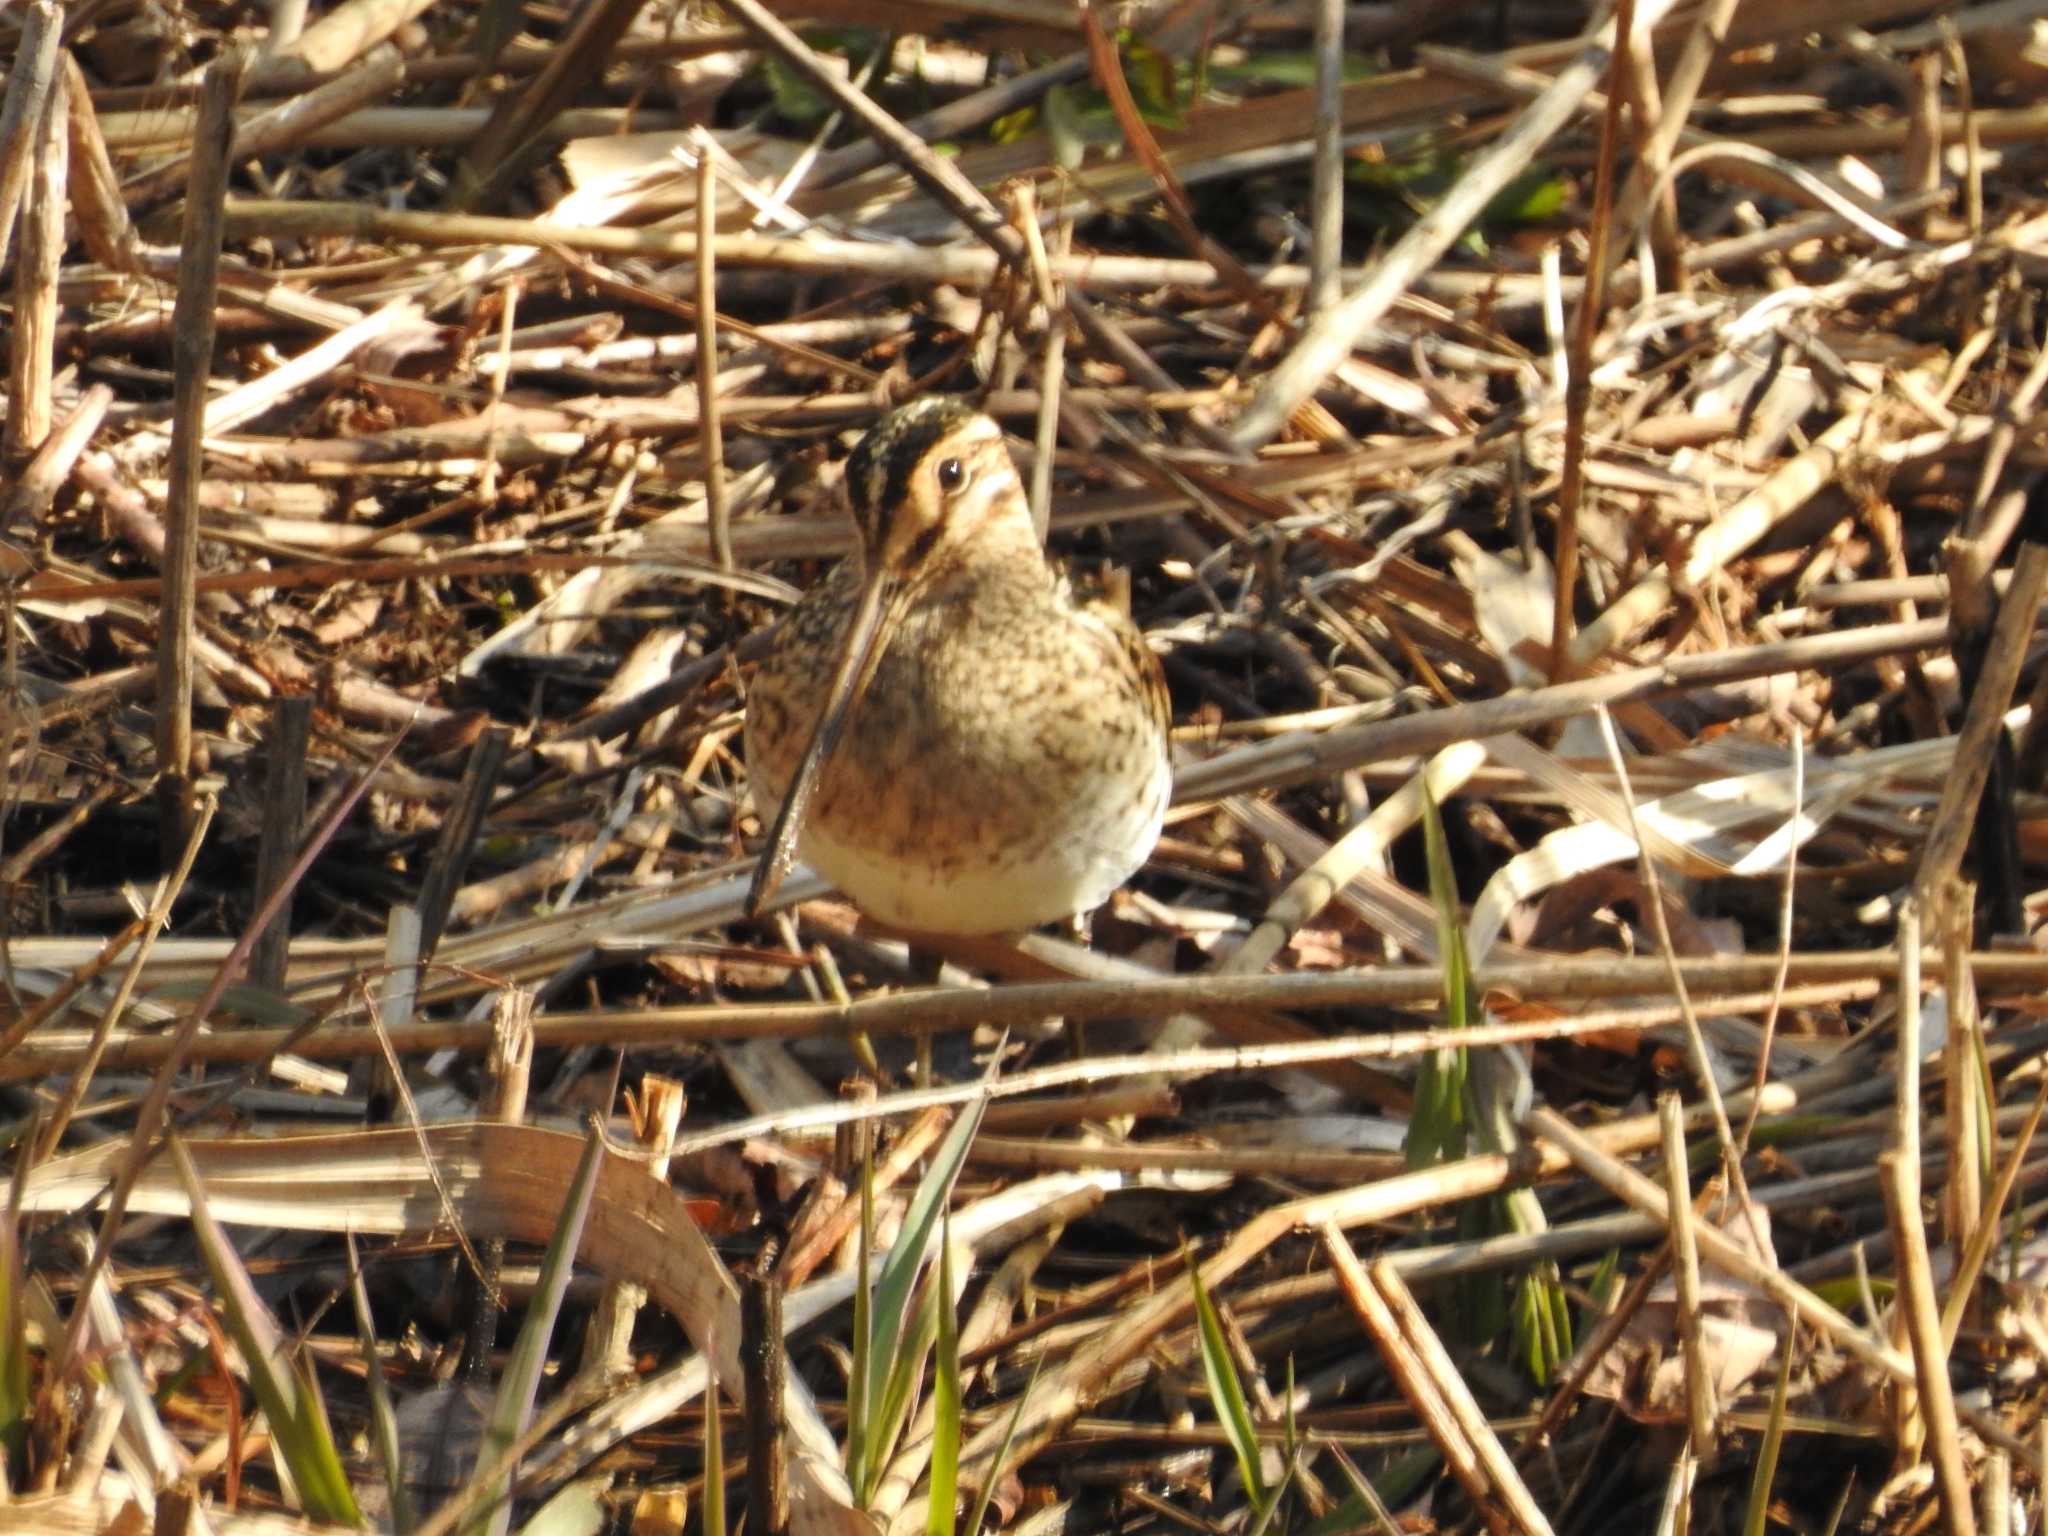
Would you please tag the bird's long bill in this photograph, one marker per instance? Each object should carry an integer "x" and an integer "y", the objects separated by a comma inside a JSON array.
[{"x": 874, "y": 620}]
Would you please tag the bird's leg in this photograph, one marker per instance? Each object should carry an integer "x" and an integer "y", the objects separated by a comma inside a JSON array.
[{"x": 926, "y": 965}]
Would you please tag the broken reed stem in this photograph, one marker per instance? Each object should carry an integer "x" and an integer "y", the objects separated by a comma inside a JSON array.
[
  {"x": 1984, "y": 1235},
  {"x": 32, "y": 348},
  {"x": 710, "y": 437},
  {"x": 1027, "y": 1002},
  {"x": 1632, "y": 1189},
  {"x": 153, "y": 922},
  {"x": 35, "y": 489},
  {"x": 192, "y": 365},
  {"x": 21, "y": 111},
  {"x": 1962, "y": 1089},
  {"x": 1417, "y": 1385},
  {"x": 1508, "y": 1486},
  {"x": 284, "y": 820},
  {"x": 1578, "y": 390},
  {"x": 657, "y": 1115},
  {"x": 1941, "y": 857},
  {"x": 508, "y": 1077},
  {"x": 1326, "y": 190},
  {"x": 1685, "y": 1268},
  {"x": 766, "y": 1371},
  {"x": 1900, "y": 1177},
  {"x": 95, "y": 185},
  {"x": 1906, "y": 1090}
]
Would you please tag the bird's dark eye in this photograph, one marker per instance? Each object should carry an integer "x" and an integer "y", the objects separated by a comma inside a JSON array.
[{"x": 952, "y": 474}]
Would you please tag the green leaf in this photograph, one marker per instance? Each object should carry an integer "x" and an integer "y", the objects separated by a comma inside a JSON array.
[
  {"x": 14, "y": 1374},
  {"x": 940, "y": 1513},
  {"x": 793, "y": 95},
  {"x": 512, "y": 1408},
  {"x": 1233, "y": 1413},
  {"x": 1065, "y": 128},
  {"x": 713, "y": 1519},
  {"x": 1530, "y": 198},
  {"x": 1754, "y": 1518},
  {"x": 1437, "y": 1130},
  {"x": 858, "y": 1414},
  {"x": 383, "y": 1416},
  {"x": 298, "y": 1420},
  {"x": 1153, "y": 86},
  {"x": 906, "y": 1372},
  {"x": 889, "y": 1321},
  {"x": 1002, "y": 1455},
  {"x": 1012, "y": 126}
]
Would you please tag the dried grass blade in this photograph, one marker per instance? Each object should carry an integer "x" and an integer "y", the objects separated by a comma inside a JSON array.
[{"x": 291, "y": 1400}]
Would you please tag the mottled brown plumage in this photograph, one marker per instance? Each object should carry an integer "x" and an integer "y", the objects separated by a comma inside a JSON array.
[{"x": 999, "y": 758}]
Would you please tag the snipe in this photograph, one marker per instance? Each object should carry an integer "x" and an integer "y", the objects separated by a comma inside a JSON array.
[{"x": 942, "y": 729}]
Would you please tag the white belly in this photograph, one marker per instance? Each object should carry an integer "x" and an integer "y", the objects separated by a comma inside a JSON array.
[{"x": 1085, "y": 855}]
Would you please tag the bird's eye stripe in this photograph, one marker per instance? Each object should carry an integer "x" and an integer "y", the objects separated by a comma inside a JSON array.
[{"x": 920, "y": 547}]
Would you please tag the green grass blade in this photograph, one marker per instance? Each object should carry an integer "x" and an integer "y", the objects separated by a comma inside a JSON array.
[
  {"x": 995, "y": 1466},
  {"x": 859, "y": 1469},
  {"x": 298, "y": 1420},
  {"x": 890, "y": 1316},
  {"x": 713, "y": 1522},
  {"x": 1753, "y": 1519},
  {"x": 940, "y": 1513},
  {"x": 1227, "y": 1392},
  {"x": 14, "y": 1373},
  {"x": 513, "y": 1406},
  {"x": 906, "y": 1373},
  {"x": 1436, "y": 1130},
  {"x": 383, "y": 1416}
]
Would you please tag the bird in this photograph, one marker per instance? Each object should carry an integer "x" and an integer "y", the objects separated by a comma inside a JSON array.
[{"x": 943, "y": 728}]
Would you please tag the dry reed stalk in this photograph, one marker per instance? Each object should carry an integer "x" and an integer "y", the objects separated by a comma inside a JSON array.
[
  {"x": 1724, "y": 1254},
  {"x": 1983, "y": 723},
  {"x": 1900, "y": 1178},
  {"x": 657, "y": 1115},
  {"x": 192, "y": 355},
  {"x": 1436, "y": 1361},
  {"x": 1578, "y": 393},
  {"x": 961, "y": 265},
  {"x": 21, "y": 110},
  {"x": 718, "y": 510},
  {"x": 35, "y": 489},
  {"x": 32, "y": 342},
  {"x": 1700, "y": 1406},
  {"x": 285, "y": 126},
  {"x": 519, "y": 128},
  {"x": 1307, "y": 758},
  {"x": 1423, "y": 1390},
  {"x": 950, "y": 1008},
  {"x": 284, "y": 817},
  {"x": 1333, "y": 334},
  {"x": 95, "y": 186}
]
